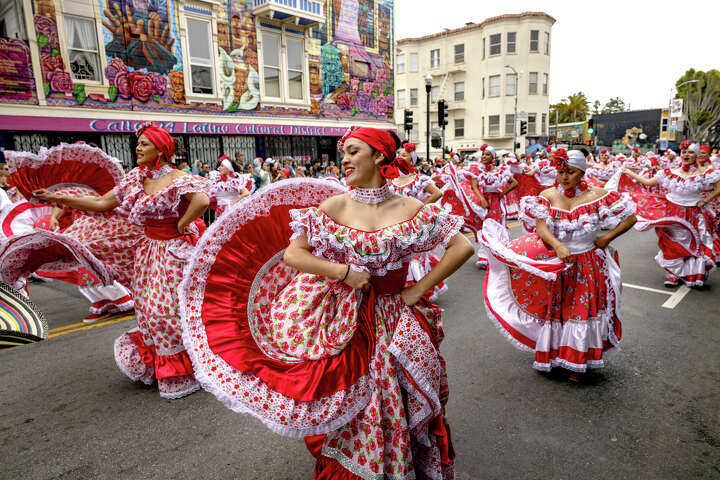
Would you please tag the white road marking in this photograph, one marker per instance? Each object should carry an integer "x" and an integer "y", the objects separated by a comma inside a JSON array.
[
  {"x": 647, "y": 289},
  {"x": 676, "y": 297}
]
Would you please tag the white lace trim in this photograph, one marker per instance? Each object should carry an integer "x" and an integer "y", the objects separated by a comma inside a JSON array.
[
  {"x": 414, "y": 189},
  {"x": 234, "y": 184},
  {"x": 692, "y": 185},
  {"x": 395, "y": 248}
]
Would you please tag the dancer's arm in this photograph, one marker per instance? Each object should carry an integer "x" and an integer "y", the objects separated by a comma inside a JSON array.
[
  {"x": 474, "y": 183},
  {"x": 512, "y": 184},
  {"x": 434, "y": 191},
  {"x": 712, "y": 196},
  {"x": 55, "y": 216},
  {"x": 243, "y": 193},
  {"x": 458, "y": 250},
  {"x": 299, "y": 255},
  {"x": 562, "y": 252},
  {"x": 198, "y": 204},
  {"x": 530, "y": 172},
  {"x": 640, "y": 178},
  {"x": 94, "y": 204},
  {"x": 604, "y": 240}
]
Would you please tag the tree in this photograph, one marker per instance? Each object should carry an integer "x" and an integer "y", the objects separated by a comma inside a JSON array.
[
  {"x": 577, "y": 105},
  {"x": 614, "y": 105},
  {"x": 701, "y": 105},
  {"x": 596, "y": 107}
]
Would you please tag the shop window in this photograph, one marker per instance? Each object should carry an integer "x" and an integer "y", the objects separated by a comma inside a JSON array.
[{"x": 82, "y": 48}]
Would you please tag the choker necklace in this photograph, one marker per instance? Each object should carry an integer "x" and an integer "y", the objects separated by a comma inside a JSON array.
[
  {"x": 572, "y": 192},
  {"x": 686, "y": 167},
  {"x": 160, "y": 172},
  {"x": 371, "y": 196}
]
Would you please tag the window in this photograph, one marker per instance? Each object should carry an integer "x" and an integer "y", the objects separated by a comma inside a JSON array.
[
  {"x": 483, "y": 87},
  {"x": 459, "y": 127},
  {"x": 483, "y": 48},
  {"x": 482, "y": 127},
  {"x": 510, "y": 82},
  {"x": 534, "y": 39},
  {"x": 494, "y": 86},
  {"x": 495, "y": 44},
  {"x": 202, "y": 77},
  {"x": 545, "y": 83},
  {"x": 295, "y": 68},
  {"x": 510, "y": 46},
  {"x": 12, "y": 22},
  {"x": 460, "y": 53},
  {"x": 546, "y": 43},
  {"x": 531, "y": 124},
  {"x": 401, "y": 63},
  {"x": 509, "y": 125},
  {"x": 400, "y": 95},
  {"x": 533, "y": 83},
  {"x": 415, "y": 133},
  {"x": 413, "y": 63},
  {"x": 284, "y": 68},
  {"x": 494, "y": 126},
  {"x": 413, "y": 97},
  {"x": 459, "y": 91},
  {"x": 271, "y": 64},
  {"x": 435, "y": 58},
  {"x": 434, "y": 94},
  {"x": 82, "y": 48},
  {"x": 543, "y": 125}
]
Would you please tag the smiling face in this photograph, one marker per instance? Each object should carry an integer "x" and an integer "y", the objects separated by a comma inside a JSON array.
[
  {"x": 146, "y": 151},
  {"x": 223, "y": 169},
  {"x": 487, "y": 157},
  {"x": 703, "y": 156},
  {"x": 569, "y": 177},
  {"x": 360, "y": 163},
  {"x": 688, "y": 157},
  {"x": 405, "y": 154}
]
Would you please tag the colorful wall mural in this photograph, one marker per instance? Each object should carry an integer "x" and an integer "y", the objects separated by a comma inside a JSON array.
[{"x": 349, "y": 59}]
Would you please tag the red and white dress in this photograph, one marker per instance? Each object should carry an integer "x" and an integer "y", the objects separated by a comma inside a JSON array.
[
  {"x": 422, "y": 264},
  {"x": 685, "y": 232},
  {"x": 155, "y": 350},
  {"x": 492, "y": 183},
  {"x": 358, "y": 375},
  {"x": 512, "y": 200},
  {"x": 599, "y": 174},
  {"x": 568, "y": 315},
  {"x": 226, "y": 189},
  {"x": 455, "y": 199},
  {"x": 546, "y": 173}
]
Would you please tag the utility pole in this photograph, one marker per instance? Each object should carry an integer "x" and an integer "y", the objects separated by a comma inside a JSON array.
[{"x": 428, "y": 87}]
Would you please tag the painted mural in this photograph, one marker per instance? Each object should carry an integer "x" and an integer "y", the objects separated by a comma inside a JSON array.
[
  {"x": 349, "y": 61},
  {"x": 16, "y": 77}
]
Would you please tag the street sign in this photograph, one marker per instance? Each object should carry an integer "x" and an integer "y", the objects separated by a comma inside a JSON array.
[
  {"x": 522, "y": 116},
  {"x": 676, "y": 107}
]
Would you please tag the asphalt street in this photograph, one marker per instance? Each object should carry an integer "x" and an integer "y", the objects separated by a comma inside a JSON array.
[{"x": 67, "y": 412}]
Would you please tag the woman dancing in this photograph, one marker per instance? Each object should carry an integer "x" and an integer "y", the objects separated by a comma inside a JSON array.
[
  {"x": 557, "y": 291},
  {"x": 227, "y": 187},
  {"x": 166, "y": 202},
  {"x": 329, "y": 345}
]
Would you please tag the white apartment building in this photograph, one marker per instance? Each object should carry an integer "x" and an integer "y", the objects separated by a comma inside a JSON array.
[{"x": 476, "y": 68}]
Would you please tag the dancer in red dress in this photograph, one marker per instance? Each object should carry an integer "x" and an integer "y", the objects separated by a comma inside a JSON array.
[
  {"x": 598, "y": 174},
  {"x": 557, "y": 292},
  {"x": 227, "y": 187},
  {"x": 685, "y": 225},
  {"x": 165, "y": 202},
  {"x": 323, "y": 341}
]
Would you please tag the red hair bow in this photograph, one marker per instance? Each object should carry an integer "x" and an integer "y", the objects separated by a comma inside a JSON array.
[
  {"x": 409, "y": 147},
  {"x": 560, "y": 159}
]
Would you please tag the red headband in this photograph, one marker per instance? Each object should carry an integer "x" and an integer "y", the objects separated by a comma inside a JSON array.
[
  {"x": 161, "y": 139},
  {"x": 705, "y": 148},
  {"x": 379, "y": 139}
]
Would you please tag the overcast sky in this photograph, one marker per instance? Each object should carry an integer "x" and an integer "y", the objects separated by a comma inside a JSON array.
[{"x": 634, "y": 50}]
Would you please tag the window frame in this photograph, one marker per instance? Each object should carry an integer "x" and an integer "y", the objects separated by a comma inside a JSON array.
[
  {"x": 513, "y": 43},
  {"x": 410, "y": 103},
  {"x": 455, "y": 52},
  {"x": 69, "y": 48},
  {"x": 483, "y": 48},
  {"x": 92, "y": 86},
  {"x": 401, "y": 98},
  {"x": 532, "y": 131},
  {"x": 490, "y": 126},
  {"x": 543, "y": 124},
  {"x": 531, "y": 83},
  {"x": 545, "y": 84},
  {"x": 455, "y": 128},
  {"x": 198, "y": 7},
  {"x": 508, "y": 76},
  {"x": 434, "y": 93},
  {"x": 410, "y": 63},
  {"x": 455, "y": 91},
  {"x": 509, "y": 120},
  {"x": 498, "y": 45},
  {"x": 483, "y": 88},
  {"x": 284, "y": 35},
  {"x": 435, "y": 64},
  {"x": 537, "y": 41},
  {"x": 490, "y": 86},
  {"x": 546, "y": 43},
  {"x": 400, "y": 64}
]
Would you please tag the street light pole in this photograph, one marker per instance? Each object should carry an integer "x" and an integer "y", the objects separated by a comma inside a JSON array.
[
  {"x": 670, "y": 106},
  {"x": 428, "y": 87},
  {"x": 515, "y": 119}
]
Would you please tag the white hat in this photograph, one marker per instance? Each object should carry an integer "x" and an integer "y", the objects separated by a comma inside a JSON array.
[
  {"x": 694, "y": 147},
  {"x": 491, "y": 150},
  {"x": 576, "y": 159},
  {"x": 227, "y": 164},
  {"x": 269, "y": 160}
]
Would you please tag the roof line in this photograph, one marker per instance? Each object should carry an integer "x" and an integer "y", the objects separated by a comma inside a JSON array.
[{"x": 487, "y": 21}]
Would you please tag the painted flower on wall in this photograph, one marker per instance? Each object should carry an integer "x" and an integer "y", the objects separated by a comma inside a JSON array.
[
  {"x": 159, "y": 83},
  {"x": 122, "y": 84},
  {"x": 177, "y": 86},
  {"x": 141, "y": 86},
  {"x": 363, "y": 101},
  {"x": 115, "y": 66},
  {"x": 50, "y": 64},
  {"x": 47, "y": 32},
  {"x": 61, "y": 81}
]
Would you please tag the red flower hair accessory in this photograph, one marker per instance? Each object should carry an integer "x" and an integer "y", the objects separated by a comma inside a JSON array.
[
  {"x": 409, "y": 147},
  {"x": 560, "y": 158},
  {"x": 483, "y": 147}
]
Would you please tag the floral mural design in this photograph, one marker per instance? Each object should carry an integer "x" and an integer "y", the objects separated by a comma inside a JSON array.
[{"x": 16, "y": 78}]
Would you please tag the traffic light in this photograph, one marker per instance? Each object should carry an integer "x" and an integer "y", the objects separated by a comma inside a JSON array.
[
  {"x": 591, "y": 127},
  {"x": 523, "y": 127},
  {"x": 408, "y": 120},
  {"x": 442, "y": 113}
]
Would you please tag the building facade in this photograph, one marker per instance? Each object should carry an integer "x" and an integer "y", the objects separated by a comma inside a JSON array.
[
  {"x": 261, "y": 77},
  {"x": 479, "y": 69}
]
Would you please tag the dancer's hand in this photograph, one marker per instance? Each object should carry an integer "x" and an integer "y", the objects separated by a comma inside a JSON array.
[
  {"x": 46, "y": 194},
  {"x": 358, "y": 280},
  {"x": 54, "y": 224},
  {"x": 411, "y": 295},
  {"x": 182, "y": 228},
  {"x": 602, "y": 241},
  {"x": 563, "y": 253},
  {"x": 484, "y": 203}
]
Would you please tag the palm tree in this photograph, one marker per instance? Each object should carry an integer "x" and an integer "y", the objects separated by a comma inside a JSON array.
[{"x": 577, "y": 106}]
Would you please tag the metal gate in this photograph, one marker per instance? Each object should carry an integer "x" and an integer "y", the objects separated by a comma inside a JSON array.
[
  {"x": 203, "y": 149},
  {"x": 120, "y": 147},
  {"x": 31, "y": 142},
  {"x": 239, "y": 143},
  {"x": 305, "y": 148},
  {"x": 278, "y": 146}
]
